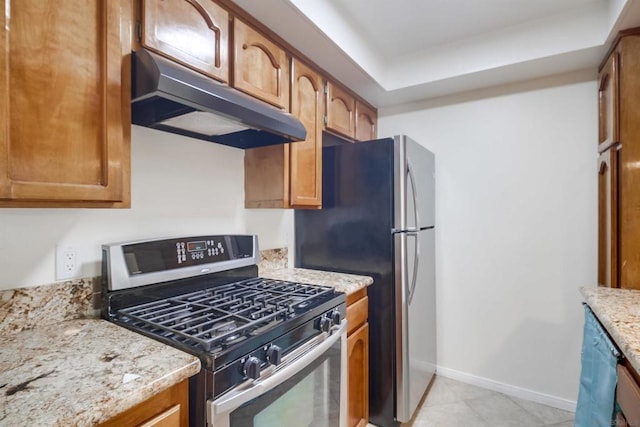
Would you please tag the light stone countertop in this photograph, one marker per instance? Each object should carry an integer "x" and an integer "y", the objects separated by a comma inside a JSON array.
[
  {"x": 83, "y": 372},
  {"x": 347, "y": 283},
  {"x": 619, "y": 312}
]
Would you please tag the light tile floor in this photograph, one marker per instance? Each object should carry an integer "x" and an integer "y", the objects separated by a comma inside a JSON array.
[{"x": 452, "y": 403}]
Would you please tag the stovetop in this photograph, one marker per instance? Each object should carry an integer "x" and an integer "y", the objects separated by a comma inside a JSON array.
[
  {"x": 202, "y": 295},
  {"x": 214, "y": 319}
]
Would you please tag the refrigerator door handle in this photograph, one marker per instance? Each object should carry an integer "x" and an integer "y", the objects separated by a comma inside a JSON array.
[
  {"x": 414, "y": 233},
  {"x": 416, "y": 214},
  {"x": 416, "y": 261}
]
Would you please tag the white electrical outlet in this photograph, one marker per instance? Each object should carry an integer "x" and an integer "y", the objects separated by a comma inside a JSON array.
[{"x": 68, "y": 264}]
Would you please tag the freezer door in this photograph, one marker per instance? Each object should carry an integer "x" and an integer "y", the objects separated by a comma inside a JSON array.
[
  {"x": 415, "y": 318},
  {"x": 414, "y": 185}
]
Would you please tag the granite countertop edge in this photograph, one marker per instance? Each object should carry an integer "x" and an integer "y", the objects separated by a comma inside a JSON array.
[
  {"x": 95, "y": 371},
  {"x": 342, "y": 282},
  {"x": 619, "y": 312}
]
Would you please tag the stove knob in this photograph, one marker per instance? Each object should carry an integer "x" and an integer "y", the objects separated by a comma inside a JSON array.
[
  {"x": 274, "y": 354},
  {"x": 252, "y": 368},
  {"x": 335, "y": 317},
  {"x": 325, "y": 324}
]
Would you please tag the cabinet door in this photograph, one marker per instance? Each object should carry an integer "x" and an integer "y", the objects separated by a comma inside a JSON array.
[
  {"x": 261, "y": 68},
  {"x": 168, "y": 418},
  {"x": 628, "y": 395},
  {"x": 366, "y": 122},
  {"x": 192, "y": 32},
  {"x": 64, "y": 122},
  {"x": 169, "y": 408},
  {"x": 358, "y": 377},
  {"x": 340, "y": 112},
  {"x": 608, "y": 218},
  {"x": 628, "y": 52},
  {"x": 306, "y": 156},
  {"x": 357, "y": 313},
  {"x": 608, "y": 104}
]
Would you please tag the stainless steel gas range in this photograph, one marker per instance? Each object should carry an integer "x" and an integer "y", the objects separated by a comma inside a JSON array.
[{"x": 273, "y": 352}]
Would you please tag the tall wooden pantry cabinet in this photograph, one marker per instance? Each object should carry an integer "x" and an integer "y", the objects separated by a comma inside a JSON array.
[{"x": 619, "y": 164}]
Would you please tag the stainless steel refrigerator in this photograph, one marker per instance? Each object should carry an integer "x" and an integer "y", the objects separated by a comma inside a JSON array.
[{"x": 378, "y": 219}]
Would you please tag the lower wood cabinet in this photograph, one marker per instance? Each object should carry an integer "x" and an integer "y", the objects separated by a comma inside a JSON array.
[
  {"x": 169, "y": 408},
  {"x": 628, "y": 395},
  {"x": 357, "y": 359}
]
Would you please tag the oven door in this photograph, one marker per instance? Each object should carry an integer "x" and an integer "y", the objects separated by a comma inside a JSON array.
[{"x": 308, "y": 388}]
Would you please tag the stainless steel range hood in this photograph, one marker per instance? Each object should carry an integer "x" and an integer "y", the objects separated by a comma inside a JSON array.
[{"x": 170, "y": 97}]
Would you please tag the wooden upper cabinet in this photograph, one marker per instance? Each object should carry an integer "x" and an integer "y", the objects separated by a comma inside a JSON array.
[
  {"x": 608, "y": 104},
  {"x": 340, "y": 111},
  {"x": 366, "y": 122},
  {"x": 290, "y": 175},
  {"x": 64, "y": 112},
  {"x": 194, "y": 33},
  {"x": 261, "y": 67},
  {"x": 608, "y": 218},
  {"x": 628, "y": 54},
  {"x": 306, "y": 156},
  {"x": 618, "y": 173}
]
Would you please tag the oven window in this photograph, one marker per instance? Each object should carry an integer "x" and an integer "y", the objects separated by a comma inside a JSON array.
[{"x": 310, "y": 398}]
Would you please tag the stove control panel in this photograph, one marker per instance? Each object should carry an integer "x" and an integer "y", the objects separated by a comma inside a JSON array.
[
  {"x": 201, "y": 249},
  {"x": 169, "y": 254}
]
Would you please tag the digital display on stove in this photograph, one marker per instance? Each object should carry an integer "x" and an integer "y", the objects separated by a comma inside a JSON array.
[
  {"x": 149, "y": 257},
  {"x": 196, "y": 246}
]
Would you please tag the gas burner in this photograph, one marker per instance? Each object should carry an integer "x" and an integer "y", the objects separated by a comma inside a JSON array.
[{"x": 220, "y": 316}]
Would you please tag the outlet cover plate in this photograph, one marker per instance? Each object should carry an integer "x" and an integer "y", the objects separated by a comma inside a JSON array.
[{"x": 68, "y": 265}]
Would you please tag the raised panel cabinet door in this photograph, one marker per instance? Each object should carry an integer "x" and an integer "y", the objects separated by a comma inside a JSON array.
[
  {"x": 608, "y": 104},
  {"x": 341, "y": 106},
  {"x": 306, "y": 156},
  {"x": 168, "y": 418},
  {"x": 192, "y": 32},
  {"x": 64, "y": 121},
  {"x": 261, "y": 68},
  {"x": 608, "y": 218},
  {"x": 628, "y": 395},
  {"x": 628, "y": 160},
  {"x": 358, "y": 377},
  {"x": 169, "y": 408},
  {"x": 366, "y": 122}
]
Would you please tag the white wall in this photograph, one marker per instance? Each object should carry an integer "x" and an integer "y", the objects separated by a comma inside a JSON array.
[
  {"x": 515, "y": 228},
  {"x": 180, "y": 186}
]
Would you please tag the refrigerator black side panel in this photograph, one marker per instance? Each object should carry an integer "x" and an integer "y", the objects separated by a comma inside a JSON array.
[{"x": 352, "y": 234}]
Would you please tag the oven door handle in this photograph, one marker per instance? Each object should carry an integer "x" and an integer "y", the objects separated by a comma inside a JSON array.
[{"x": 287, "y": 369}]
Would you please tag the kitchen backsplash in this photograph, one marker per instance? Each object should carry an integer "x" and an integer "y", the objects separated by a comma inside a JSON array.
[
  {"x": 272, "y": 259},
  {"x": 25, "y": 308}
]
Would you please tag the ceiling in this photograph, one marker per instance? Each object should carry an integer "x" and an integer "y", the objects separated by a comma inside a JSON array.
[
  {"x": 400, "y": 27},
  {"x": 403, "y": 51}
]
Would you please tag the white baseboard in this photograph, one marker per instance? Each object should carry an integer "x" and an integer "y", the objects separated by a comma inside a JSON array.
[{"x": 510, "y": 390}]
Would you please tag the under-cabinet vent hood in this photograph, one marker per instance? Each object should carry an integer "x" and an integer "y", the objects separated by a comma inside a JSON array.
[{"x": 170, "y": 97}]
